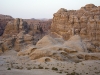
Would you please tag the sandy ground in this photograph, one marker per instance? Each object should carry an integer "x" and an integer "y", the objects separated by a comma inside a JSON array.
[
  {"x": 4, "y": 71},
  {"x": 25, "y": 66}
]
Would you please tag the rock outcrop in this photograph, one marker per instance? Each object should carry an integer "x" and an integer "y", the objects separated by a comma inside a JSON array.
[
  {"x": 18, "y": 34},
  {"x": 4, "y": 19},
  {"x": 76, "y": 42},
  {"x": 46, "y": 41},
  {"x": 84, "y": 22},
  {"x": 39, "y": 24},
  {"x": 22, "y": 40},
  {"x": 75, "y": 49},
  {"x": 6, "y": 44},
  {"x": 14, "y": 27}
]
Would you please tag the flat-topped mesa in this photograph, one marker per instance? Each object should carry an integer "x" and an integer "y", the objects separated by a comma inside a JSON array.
[{"x": 84, "y": 22}]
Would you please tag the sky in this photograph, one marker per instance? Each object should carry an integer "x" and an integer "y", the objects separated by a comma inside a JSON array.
[{"x": 39, "y": 9}]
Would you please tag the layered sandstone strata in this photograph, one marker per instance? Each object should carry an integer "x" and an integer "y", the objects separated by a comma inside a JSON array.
[{"x": 84, "y": 22}]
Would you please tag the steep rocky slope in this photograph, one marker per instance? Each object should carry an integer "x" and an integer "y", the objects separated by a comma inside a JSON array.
[
  {"x": 4, "y": 19},
  {"x": 85, "y": 22},
  {"x": 18, "y": 33},
  {"x": 39, "y": 24}
]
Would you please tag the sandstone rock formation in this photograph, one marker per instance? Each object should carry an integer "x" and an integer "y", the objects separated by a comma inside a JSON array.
[
  {"x": 38, "y": 24},
  {"x": 4, "y": 19},
  {"x": 76, "y": 42},
  {"x": 80, "y": 29},
  {"x": 74, "y": 36},
  {"x": 22, "y": 40},
  {"x": 85, "y": 22},
  {"x": 46, "y": 41},
  {"x": 14, "y": 27},
  {"x": 18, "y": 34},
  {"x": 6, "y": 44},
  {"x": 75, "y": 49}
]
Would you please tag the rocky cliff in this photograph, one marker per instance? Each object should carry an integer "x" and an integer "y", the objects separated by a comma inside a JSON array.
[
  {"x": 85, "y": 22},
  {"x": 14, "y": 27},
  {"x": 4, "y": 19},
  {"x": 18, "y": 34},
  {"x": 38, "y": 24}
]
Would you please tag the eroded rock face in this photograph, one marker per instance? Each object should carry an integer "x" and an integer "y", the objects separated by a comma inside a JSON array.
[
  {"x": 76, "y": 43},
  {"x": 36, "y": 24},
  {"x": 7, "y": 44},
  {"x": 46, "y": 41},
  {"x": 4, "y": 19},
  {"x": 14, "y": 27},
  {"x": 22, "y": 40},
  {"x": 85, "y": 22},
  {"x": 74, "y": 49}
]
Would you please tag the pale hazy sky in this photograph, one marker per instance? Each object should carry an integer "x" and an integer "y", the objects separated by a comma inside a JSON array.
[{"x": 40, "y": 8}]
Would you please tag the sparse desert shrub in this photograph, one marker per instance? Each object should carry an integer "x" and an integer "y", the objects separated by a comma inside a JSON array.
[
  {"x": 60, "y": 72},
  {"x": 46, "y": 68},
  {"x": 66, "y": 72},
  {"x": 21, "y": 67},
  {"x": 86, "y": 73},
  {"x": 95, "y": 68},
  {"x": 82, "y": 63},
  {"x": 40, "y": 67},
  {"x": 73, "y": 73},
  {"x": 28, "y": 64},
  {"x": 9, "y": 69},
  {"x": 67, "y": 69},
  {"x": 29, "y": 68},
  {"x": 53, "y": 68},
  {"x": 34, "y": 67},
  {"x": 17, "y": 67},
  {"x": 4, "y": 58}
]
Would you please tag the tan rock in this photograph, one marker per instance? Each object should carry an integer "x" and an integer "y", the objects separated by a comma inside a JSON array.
[
  {"x": 14, "y": 27},
  {"x": 8, "y": 44},
  {"x": 84, "y": 22},
  {"x": 26, "y": 52},
  {"x": 76, "y": 43},
  {"x": 46, "y": 41}
]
